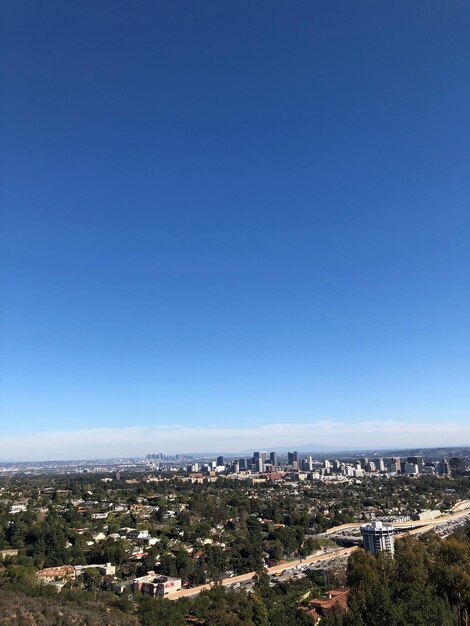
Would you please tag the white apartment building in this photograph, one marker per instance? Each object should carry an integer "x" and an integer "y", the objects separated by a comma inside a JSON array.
[{"x": 378, "y": 537}]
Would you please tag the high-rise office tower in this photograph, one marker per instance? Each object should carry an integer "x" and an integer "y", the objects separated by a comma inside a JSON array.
[
  {"x": 273, "y": 459},
  {"x": 417, "y": 460},
  {"x": 457, "y": 465},
  {"x": 292, "y": 457},
  {"x": 410, "y": 469},
  {"x": 220, "y": 461},
  {"x": 443, "y": 467},
  {"x": 395, "y": 464},
  {"x": 259, "y": 461}
]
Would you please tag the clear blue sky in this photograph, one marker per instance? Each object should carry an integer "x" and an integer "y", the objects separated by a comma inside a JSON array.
[{"x": 228, "y": 215}]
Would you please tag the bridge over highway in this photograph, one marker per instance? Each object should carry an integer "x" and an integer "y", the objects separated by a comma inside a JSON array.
[{"x": 457, "y": 513}]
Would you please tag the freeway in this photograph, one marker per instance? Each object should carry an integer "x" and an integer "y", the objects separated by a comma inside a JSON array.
[
  {"x": 460, "y": 506},
  {"x": 459, "y": 512},
  {"x": 276, "y": 569},
  {"x": 415, "y": 527}
]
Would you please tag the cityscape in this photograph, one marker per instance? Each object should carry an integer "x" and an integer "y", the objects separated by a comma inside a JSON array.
[
  {"x": 234, "y": 313},
  {"x": 173, "y": 527},
  {"x": 272, "y": 466}
]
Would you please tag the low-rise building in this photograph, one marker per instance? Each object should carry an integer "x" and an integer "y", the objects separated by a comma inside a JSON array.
[
  {"x": 138, "y": 534},
  {"x": 427, "y": 515},
  {"x": 321, "y": 607},
  {"x": 99, "y": 536},
  {"x": 50, "y": 574},
  {"x": 123, "y": 586},
  {"x": 18, "y": 508},
  {"x": 150, "y": 541},
  {"x": 8, "y": 553},
  {"x": 97, "y": 516},
  {"x": 154, "y": 585},
  {"x": 105, "y": 569}
]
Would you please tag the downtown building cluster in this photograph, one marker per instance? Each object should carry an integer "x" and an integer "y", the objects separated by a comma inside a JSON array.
[{"x": 273, "y": 466}]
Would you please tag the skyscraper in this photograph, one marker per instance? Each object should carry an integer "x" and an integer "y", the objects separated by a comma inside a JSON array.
[
  {"x": 259, "y": 461},
  {"x": 292, "y": 457},
  {"x": 417, "y": 460},
  {"x": 457, "y": 465},
  {"x": 443, "y": 467},
  {"x": 273, "y": 459}
]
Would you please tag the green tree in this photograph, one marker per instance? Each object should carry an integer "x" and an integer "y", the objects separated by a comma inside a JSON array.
[
  {"x": 91, "y": 579},
  {"x": 159, "y": 612}
]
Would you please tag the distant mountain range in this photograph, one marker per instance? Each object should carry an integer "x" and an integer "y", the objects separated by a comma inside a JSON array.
[{"x": 306, "y": 447}]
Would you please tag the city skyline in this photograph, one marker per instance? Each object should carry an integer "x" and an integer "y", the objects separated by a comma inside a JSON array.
[{"x": 233, "y": 225}]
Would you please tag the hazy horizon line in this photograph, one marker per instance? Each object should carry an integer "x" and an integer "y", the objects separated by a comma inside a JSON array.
[
  {"x": 234, "y": 454},
  {"x": 137, "y": 441}
]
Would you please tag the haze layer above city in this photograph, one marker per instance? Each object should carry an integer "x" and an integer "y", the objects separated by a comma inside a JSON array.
[{"x": 233, "y": 226}]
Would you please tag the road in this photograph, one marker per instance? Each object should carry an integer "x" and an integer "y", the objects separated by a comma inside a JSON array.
[
  {"x": 424, "y": 526},
  {"x": 413, "y": 523},
  {"x": 276, "y": 569},
  {"x": 460, "y": 506}
]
